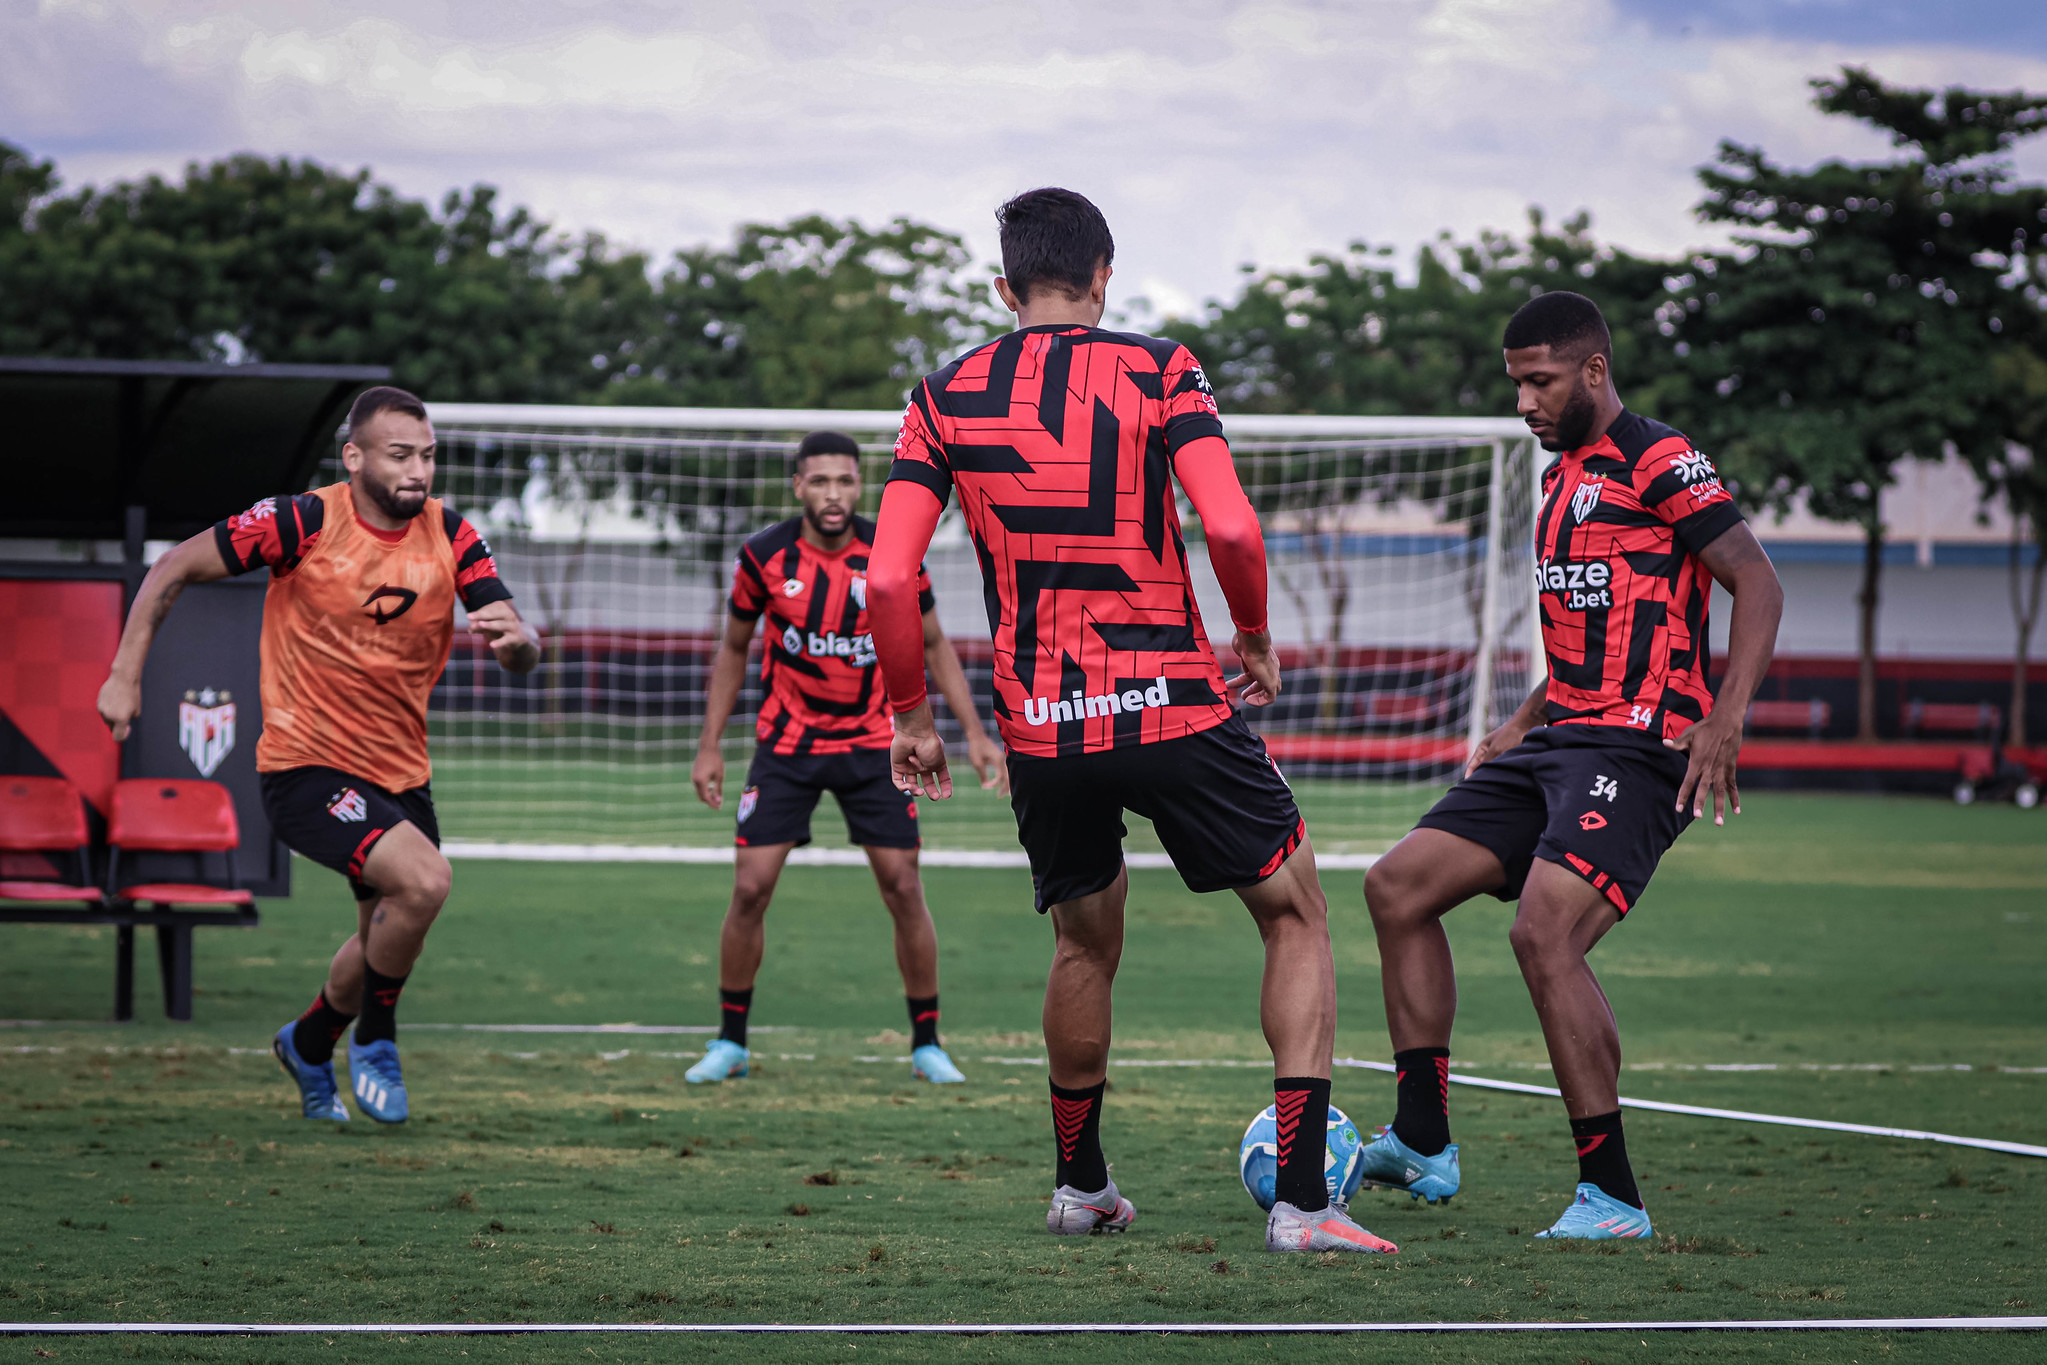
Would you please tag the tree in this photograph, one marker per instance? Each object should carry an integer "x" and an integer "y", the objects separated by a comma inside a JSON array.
[
  {"x": 1847, "y": 329},
  {"x": 249, "y": 259},
  {"x": 2019, "y": 479}
]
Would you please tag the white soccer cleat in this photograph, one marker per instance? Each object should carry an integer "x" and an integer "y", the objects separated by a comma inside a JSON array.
[
  {"x": 1076, "y": 1214},
  {"x": 1290, "y": 1229}
]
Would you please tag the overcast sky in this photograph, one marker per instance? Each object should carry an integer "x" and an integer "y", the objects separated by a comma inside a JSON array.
[{"x": 1212, "y": 134}]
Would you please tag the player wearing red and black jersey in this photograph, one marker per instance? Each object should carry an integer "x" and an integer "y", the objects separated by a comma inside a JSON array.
[
  {"x": 823, "y": 727},
  {"x": 357, "y": 623},
  {"x": 1569, "y": 806},
  {"x": 1063, "y": 443}
]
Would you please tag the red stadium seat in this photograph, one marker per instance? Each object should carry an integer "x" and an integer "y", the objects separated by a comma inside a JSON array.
[
  {"x": 44, "y": 815},
  {"x": 175, "y": 815}
]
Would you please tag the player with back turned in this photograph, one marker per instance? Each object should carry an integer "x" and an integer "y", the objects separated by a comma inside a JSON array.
[
  {"x": 1063, "y": 442},
  {"x": 357, "y": 623},
  {"x": 1569, "y": 806},
  {"x": 823, "y": 727}
]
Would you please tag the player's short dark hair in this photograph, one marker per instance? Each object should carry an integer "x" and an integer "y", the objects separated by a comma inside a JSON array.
[
  {"x": 1571, "y": 325},
  {"x": 382, "y": 398},
  {"x": 1053, "y": 237},
  {"x": 824, "y": 443}
]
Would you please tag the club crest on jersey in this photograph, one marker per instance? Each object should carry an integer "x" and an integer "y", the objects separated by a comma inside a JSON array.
[
  {"x": 404, "y": 597},
  {"x": 206, "y": 728},
  {"x": 1039, "y": 710},
  {"x": 859, "y": 591},
  {"x": 748, "y": 799},
  {"x": 1585, "y": 498},
  {"x": 348, "y": 806}
]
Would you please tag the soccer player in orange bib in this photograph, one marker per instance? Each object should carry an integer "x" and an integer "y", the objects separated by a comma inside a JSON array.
[{"x": 357, "y": 623}]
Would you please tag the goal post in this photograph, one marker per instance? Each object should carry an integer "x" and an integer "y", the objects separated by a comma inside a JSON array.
[{"x": 1402, "y": 599}]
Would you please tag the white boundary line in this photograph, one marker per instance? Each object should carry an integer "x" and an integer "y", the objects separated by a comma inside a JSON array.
[
  {"x": 966, "y": 1329},
  {"x": 1740, "y": 1115},
  {"x": 809, "y": 857}
]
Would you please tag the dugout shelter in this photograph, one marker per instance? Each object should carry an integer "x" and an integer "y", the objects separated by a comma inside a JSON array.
[{"x": 102, "y": 461}]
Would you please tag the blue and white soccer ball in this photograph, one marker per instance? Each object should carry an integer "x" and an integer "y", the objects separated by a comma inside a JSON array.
[{"x": 1343, "y": 1167}]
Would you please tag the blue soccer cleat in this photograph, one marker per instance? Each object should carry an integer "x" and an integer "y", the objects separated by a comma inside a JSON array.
[
  {"x": 1598, "y": 1216},
  {"x": 930, "y": 1063},
  {"x": 378, "y": 1083},
  {"x": 319, "y": 1092},
  {"x": 1390, "y": 1162},
  {"x": 724, "y": 1060}
]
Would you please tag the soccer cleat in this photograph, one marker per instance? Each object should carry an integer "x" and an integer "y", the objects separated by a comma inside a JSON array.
[
  {"x": 930, "y": 1063},
  {"x": 1388, "y": 1161},
  {"x": 378, "y": 1083},
  {"x": 1076, "y": 1214},
  {"x": 319, "y": 1092},
  {"x": 1597, "y": 1216},
  {"x": 1290, "y": 1229},
  {"x": 723, "y": 1060}
]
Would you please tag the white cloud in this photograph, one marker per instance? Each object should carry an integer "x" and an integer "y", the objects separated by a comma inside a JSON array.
[{"x": 1211, "y": 133}]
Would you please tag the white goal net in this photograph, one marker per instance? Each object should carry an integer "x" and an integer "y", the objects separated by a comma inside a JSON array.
[{"x": 1401, "y": 595}]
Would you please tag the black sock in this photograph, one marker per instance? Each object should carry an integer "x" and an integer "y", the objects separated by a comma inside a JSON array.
[
  {"x": 318, "y": 1029},
  {"x": 1301, "y": 1104},
  {"x": 732, "y": 1010},
  {"x": 1077, "y": 1135},
  {"x": 1603, "y": 1157},
  {"x": 1421, "y": 1117},
  {"x": 379, "y": 1022},
  {"x": 924, "y": 1022}
]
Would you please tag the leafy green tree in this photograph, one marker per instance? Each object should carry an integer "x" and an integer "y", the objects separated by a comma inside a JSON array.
[{"x": 1849, "y": 328}]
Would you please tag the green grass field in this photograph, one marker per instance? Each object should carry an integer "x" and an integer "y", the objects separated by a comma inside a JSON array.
[{"x": 155, "y": 1171}]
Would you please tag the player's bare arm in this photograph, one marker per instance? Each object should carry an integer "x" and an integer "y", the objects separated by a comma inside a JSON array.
[
  {"x": 515, "y": 643},
  {"x": 1713, "y": 746},
  {"x": 1525, "y": 718},
  {"x": 192, "y": 561},
  {"x": 984, "y": 755},
  {"x": 728, "y": 672}
]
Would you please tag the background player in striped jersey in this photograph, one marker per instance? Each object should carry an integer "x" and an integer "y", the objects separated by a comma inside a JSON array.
[
  {"x": 823, "y": 727},
  {"x": 357, "y": 622},
  {"x": 1063, "y": 442},
  {"x": 1569, "y": 805}
]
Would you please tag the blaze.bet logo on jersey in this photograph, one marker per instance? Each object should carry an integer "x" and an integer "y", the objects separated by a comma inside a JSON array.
[
  {"x": 1579, "y": 586},
  {"x": 206, "y": 728}
]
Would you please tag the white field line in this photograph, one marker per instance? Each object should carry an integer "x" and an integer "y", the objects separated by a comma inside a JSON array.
[
  {"x": 809, "y": 857},
  {"x": 963, "y": 1329},
  {"x": 1739, "y": 1115}
]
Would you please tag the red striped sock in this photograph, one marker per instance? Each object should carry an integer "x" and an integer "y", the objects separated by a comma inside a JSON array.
[
  {"x": 1300, "y": 1106},
  {"x": 1077, "y": 1137}
]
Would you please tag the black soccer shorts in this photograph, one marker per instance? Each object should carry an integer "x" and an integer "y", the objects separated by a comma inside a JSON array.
[
  {"x": 336, "y": 819},
  {"x": 1600, "y": 802},
  {"x": 1217, "y": 800},
  {"x": 783, "y": 789}
]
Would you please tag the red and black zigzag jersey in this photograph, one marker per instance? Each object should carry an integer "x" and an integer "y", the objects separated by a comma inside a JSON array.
[
  {"x": 822, "y": 685},
  {"x": 1619, "y": 583},
  {"x": 278, "y": 533},
  {"x": 1060, "y": 440}
]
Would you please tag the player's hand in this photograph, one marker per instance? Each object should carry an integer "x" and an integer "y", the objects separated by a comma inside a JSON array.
[
  {"x": 1258, "y": 684},
  {"x": 120, "y": 703},
  {"x": 987, "y": 760},
  {"x": 916, "y": 756},
  {"x": 1496, "y": 743},
  {"x": 707, "y": 775},
  {"x": 1714, "y": 747},
  {"x": 516, "y": 644}
]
